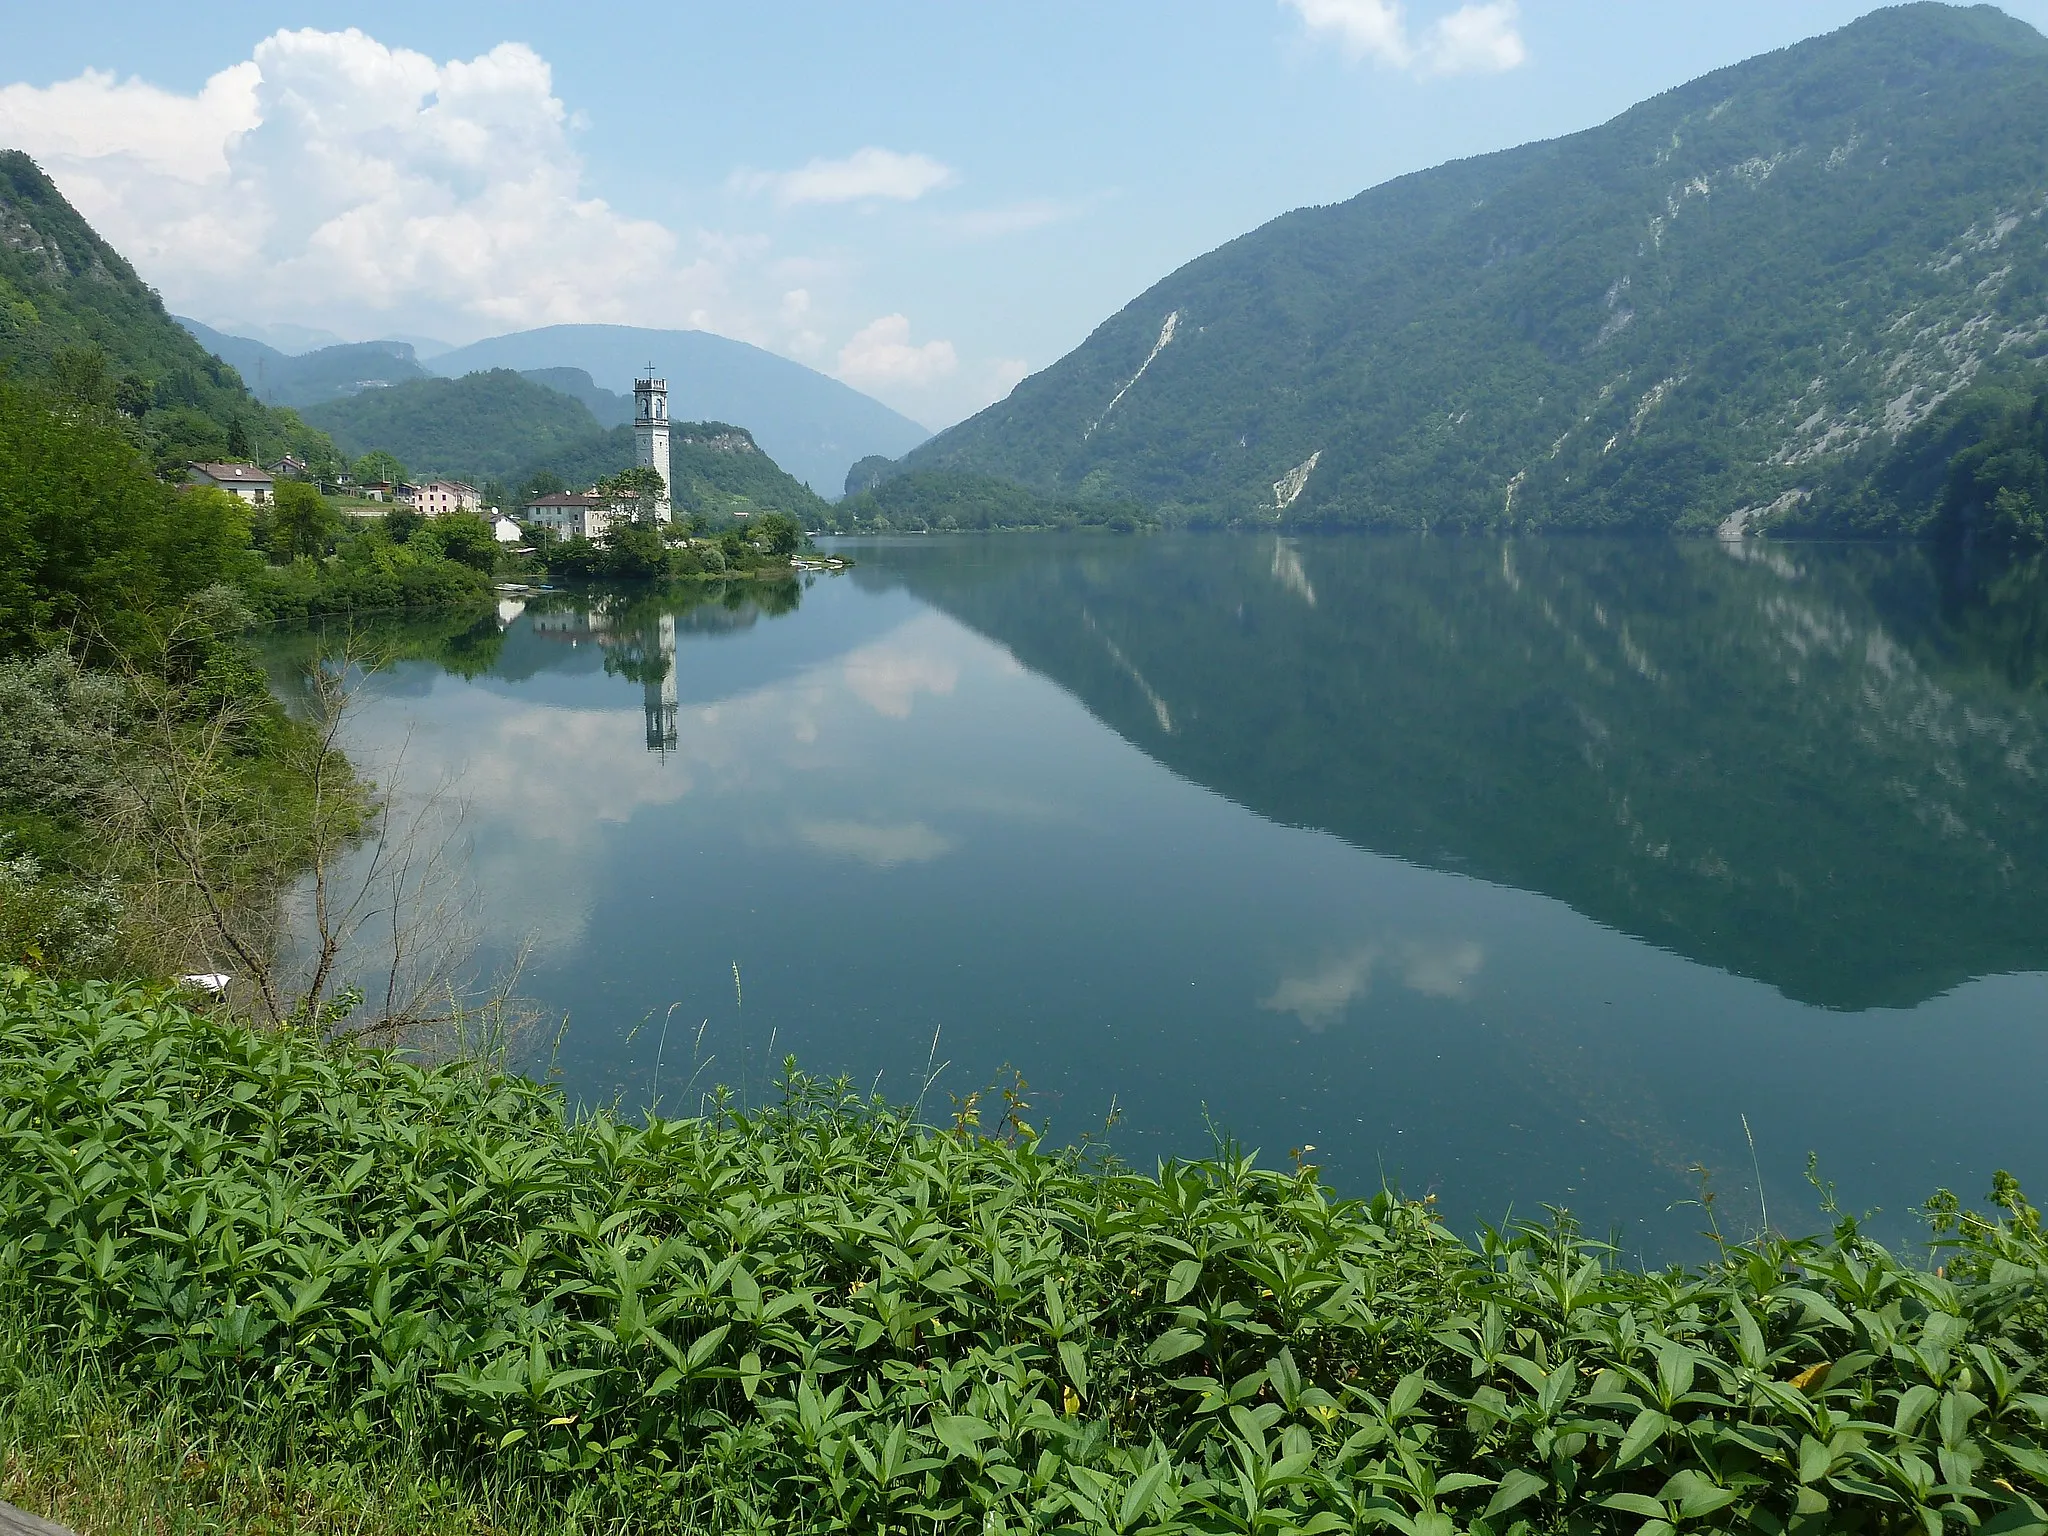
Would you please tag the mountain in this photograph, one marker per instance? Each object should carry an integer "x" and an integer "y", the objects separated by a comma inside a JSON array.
[
  {"x": 715, "y": 468},
  {"x": 482, "y": 426},
  {"x": 308, "y": 378},
  {"x": 814, "y": 426},
  {"x": 1683, "y": 314},
  {"x": 75, "y": 316},
  {"x": 1815, "y": 767},
  {"x": 610, "y": 408}
]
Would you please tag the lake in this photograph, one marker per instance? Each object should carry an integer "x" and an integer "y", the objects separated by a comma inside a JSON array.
[{"x": 1518, "y": 873}]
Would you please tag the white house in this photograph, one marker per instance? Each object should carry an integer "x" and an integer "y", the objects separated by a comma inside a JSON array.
[
  {"x": 505, "y": 531},
  {"x": 253, "y": 485},
  {"x": 437, "y": 498},
  {"x": 568, "y": 515}
]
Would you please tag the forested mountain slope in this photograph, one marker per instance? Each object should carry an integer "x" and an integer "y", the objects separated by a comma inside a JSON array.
[
  {"x": 480, "y": 426},
  {"x": 1685, "y": 312},
  {"x": 75, "y": 317}
]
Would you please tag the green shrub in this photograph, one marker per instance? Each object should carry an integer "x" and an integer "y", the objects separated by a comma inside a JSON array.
[{"x": 824, "y": 1316}]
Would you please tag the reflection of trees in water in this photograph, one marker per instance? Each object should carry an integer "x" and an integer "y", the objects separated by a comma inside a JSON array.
[
  {"x": 1811, "y": 765},
  {"x": 637, "y": 628}
]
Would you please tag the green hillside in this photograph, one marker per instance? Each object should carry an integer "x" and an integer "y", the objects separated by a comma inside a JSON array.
[
  {"x": 75, "y": 317},
  {"x": 1686, "y": 312},
  {"x": 482, "y": 426},
  {"x": 716, "y": 470},
  {"x": 949, "y": 500}
]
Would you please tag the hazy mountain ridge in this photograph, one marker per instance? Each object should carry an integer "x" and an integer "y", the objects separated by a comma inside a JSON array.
[
  {"x": 1691, "y": 309},
  {"x": 309, "y": 378},
  {"x": 812, "y": 425}
]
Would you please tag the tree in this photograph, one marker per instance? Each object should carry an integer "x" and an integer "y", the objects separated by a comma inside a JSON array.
[
  {"x": 542, "y": 482},
  {"x": 640, "y": 487},
  {"x": 378, "y": 465},
  {"x": 402, "y": 523},
  {"x": 88, "y": 531},
  {"x": 778, "y": 534},
  {"x": 302, "y": 520},
  {"x": 467, "y": 539}
]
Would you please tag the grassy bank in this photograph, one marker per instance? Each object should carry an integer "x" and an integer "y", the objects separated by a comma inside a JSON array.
[{"x": 827, "y": 1317}]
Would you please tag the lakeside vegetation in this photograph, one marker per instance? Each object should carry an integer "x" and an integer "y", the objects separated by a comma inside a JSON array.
[{"x": 826, "y": 1315}]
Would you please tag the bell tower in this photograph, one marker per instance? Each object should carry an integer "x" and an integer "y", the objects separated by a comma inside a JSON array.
[{"x": 650, "y": 434}]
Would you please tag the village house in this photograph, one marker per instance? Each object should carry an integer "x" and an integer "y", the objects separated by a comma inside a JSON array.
[
  {"x": 437, "y": 498},
  {"x": 290, "y": 467},
  {"x": 253, "y": 485},
  {"x": 567, "y": 515}
]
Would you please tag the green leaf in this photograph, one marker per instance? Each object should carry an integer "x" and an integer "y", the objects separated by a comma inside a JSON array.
[
  {"x": 962, "y": 1434},
  {"x": 1913, "y": 1405},
  {"x": 1076, "y": 1361},
  {"x": 1172, "y": 1344},
  {"x": 1181, "y": 1279},
  {"x": 1286, "y": 1378},
  {"x": 1634, "y": 1504},
  {"x": 1406, "y": 1394},
  {"x": 1144, "y": 1490},
  {"x": 1649, "y": 1426},
  {"x": 1519, "y": 1485},
  {"x": 1814, "y": 1460}
]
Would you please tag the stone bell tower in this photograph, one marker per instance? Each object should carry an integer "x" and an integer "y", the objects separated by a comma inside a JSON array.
[{"x": 650, "y": 434}]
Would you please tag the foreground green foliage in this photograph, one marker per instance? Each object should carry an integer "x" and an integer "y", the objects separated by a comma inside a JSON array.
[
  {"x": 825, "y": 1316},
  {"x": 78, "y": 1449},
  {"x": 1685, "y": 311}
]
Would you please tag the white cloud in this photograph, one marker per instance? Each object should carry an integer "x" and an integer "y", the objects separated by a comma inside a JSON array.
[
  {"x": 882, "y": 355},
  {"x": 1476, "y": 38},
  {"x": 888, "y": 679},
  {"x": 864, "y": 176},
  {"x": 1012, "y": 218},
  {"x": 882, "y": 845},
  {"x": 331, "y": 178},
  {"x": 1322, "y": 994},
  {"x": 1363, "y": 29}
]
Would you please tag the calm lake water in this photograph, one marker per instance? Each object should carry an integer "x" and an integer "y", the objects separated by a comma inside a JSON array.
[{"x": 1517, "y": 873}]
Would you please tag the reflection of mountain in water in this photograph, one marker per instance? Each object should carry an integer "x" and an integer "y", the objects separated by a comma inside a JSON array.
[{"x": 1785, "y": 765}]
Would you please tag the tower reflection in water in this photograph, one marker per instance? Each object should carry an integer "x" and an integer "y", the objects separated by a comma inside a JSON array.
[
  {"x": 658, "y": 684},
  {"x": 647, "y": 653}
]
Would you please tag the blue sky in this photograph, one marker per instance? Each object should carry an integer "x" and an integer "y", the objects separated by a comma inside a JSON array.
[{"x": 926, "y": 199}]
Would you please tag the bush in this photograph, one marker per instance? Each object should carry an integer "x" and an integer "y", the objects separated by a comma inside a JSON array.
[{"x": 823, "y": 1316}]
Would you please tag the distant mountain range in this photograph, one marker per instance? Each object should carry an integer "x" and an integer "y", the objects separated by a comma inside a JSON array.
[
  {"x": 816, "y": 427},
  {"x": 813, "y": 426},
  {"x": 308, "y": 378},
  {"x": 1683, "y": 315}
]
